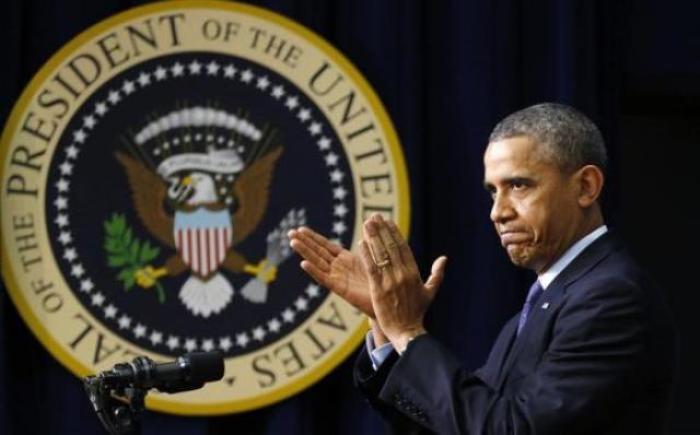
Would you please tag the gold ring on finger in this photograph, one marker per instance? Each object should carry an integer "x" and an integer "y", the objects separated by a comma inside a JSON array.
[
  {"x": 382, "y": 264},
  {"x": 384, "y": 257}
]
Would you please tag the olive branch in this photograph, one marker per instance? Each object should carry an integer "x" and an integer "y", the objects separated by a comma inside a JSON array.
[{"x": 127, "y": 253}]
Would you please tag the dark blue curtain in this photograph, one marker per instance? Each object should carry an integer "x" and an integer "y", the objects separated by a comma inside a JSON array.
[{"x": 447, "y": 71}]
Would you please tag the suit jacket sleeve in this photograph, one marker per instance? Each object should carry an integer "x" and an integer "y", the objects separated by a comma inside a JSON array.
[{"x": 597, "y": 344}]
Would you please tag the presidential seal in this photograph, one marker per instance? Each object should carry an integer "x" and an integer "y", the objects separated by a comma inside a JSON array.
[{"x": 150, "y": 173}]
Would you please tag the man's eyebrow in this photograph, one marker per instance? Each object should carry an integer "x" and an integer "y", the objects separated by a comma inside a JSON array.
[
  {"x": 520, "y": 180},
  {"x": 489, "y": 186}
]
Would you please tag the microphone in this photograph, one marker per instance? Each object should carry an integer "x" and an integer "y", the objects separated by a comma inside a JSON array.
[
  {"x": 117, "y": 395},
  {"x": 189, "y": 372}
]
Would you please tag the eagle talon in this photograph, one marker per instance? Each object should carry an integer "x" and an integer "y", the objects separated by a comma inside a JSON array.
[
  {"x": 264, "y": 271},
  {"x": 147, "y": 277}
]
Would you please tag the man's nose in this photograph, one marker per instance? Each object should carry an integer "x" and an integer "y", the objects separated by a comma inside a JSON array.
[{"x": 502, "y": 209}]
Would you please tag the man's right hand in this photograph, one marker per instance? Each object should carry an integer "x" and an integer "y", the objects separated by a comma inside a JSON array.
[{"x": 335, "y": 268}]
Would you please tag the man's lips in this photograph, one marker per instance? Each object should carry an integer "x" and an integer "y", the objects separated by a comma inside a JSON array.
[{"x": 513, "y": 237}]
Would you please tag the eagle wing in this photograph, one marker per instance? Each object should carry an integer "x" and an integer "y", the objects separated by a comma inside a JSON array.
[
  {"x": 251, "y": 190},
  {"x": 148, "y": 191}
]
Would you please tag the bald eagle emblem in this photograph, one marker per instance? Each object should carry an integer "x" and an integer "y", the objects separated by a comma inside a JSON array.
[{"x": 199, "y": 180}]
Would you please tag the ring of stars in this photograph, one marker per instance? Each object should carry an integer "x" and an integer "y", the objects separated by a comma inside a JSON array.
[{"x": 96, "y": 297}]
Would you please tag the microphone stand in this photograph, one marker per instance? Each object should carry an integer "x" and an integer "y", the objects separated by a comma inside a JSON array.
[
  {"x": 117, "y": 395},
  {"x": 118, "y": 408}
]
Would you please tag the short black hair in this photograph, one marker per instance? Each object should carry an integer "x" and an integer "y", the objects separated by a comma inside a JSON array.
[{"x": 571, "y": 138}]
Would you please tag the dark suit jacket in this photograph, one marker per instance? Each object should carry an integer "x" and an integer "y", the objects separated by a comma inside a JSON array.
[{"x": 596, "y": 356}]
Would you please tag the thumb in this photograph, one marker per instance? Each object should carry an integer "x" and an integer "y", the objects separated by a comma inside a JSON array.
[{"x": 437, "y": 273}]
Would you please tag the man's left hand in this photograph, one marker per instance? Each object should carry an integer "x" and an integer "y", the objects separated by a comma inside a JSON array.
[{"x": 399, "y": 296}]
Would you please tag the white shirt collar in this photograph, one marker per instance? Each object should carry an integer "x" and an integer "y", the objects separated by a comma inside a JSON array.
[{"x": 550, "y": 274}]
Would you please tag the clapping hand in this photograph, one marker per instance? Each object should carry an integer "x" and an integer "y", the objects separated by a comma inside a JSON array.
[
  {"x": 399, "y": 296},
  {"x": 383, "y": 281},
  {"x": 335, "y": 268}
]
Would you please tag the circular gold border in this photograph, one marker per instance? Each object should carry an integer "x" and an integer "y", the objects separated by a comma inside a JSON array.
[{"x": 157, "y": 403}]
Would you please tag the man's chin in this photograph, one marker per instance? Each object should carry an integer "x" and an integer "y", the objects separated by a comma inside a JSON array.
[{"x": 518, "y": 256}]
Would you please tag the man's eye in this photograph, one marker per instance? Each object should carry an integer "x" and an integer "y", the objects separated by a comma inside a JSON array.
[{"x": 518, "y": 186}]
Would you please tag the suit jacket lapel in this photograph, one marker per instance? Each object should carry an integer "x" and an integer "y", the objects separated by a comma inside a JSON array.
[
  {"x": 592, "y": 255},
  {"x": 551, "y": 296}
]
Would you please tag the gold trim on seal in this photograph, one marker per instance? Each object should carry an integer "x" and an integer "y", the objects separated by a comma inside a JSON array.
[{"x": 160, "y": 403}]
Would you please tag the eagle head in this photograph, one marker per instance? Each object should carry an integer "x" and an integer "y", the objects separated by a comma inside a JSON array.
[{"x": 194, "y": 189}]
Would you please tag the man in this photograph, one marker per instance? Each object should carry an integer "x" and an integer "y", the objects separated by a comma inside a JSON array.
[{"x": 592, "y": 351}]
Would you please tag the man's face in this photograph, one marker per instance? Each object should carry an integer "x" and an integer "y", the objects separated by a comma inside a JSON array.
[{"x": 535, "y": 209}]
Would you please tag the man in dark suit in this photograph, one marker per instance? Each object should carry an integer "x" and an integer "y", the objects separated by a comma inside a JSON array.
[{"x": 592, "y": 351}]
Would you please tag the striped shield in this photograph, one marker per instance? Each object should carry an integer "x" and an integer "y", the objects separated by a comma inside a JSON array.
[{"x": 202, "y": 238}]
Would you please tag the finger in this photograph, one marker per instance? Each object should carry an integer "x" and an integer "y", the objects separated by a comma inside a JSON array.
[
  {"x": 377, "y": 251},
  {"x": 333, "y": 248},
  {"x": 390, "y": 244},
  {"x": 317, "y": 274},
  {"x": 402, "y": 244},
  {"x": 388, "y": 266},
  {"x": 321, "y": 251},
  {"x": 437, "y": 274},
  {"x": 375, "y": 275},
  {"x": 310, "y": 255}
]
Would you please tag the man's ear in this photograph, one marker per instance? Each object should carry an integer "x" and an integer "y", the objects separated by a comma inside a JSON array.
[{"x": 590, "y": 180}]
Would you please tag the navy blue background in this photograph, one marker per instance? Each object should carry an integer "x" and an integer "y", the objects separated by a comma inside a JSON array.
[{"x": 447, "y": 71}]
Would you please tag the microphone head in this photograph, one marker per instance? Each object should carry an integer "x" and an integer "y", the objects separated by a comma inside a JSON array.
[
  {"x": 189, "y": 372},
  {"x": 203, "y": 366}
]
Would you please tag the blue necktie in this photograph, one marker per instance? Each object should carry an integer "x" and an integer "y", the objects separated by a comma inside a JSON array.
[{"x": 532, "y": 295}]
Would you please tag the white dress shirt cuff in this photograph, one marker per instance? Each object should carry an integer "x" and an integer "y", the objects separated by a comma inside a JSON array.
[{"x": 377, "y": 355}]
